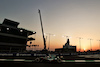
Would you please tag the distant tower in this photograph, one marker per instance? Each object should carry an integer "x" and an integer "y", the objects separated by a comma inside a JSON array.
[{"x": 67, "y": 44}]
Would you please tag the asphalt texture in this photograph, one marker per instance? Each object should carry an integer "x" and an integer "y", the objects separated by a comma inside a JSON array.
[
  {"x": 48, "y": 64},
  {"x": 65, "y": 58},
  {"x": 26, "y": 64}
]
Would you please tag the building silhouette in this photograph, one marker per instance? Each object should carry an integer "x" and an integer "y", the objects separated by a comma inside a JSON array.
[
  {"x": 12, "y": 38},
  {"x": 67, "y": 48}
]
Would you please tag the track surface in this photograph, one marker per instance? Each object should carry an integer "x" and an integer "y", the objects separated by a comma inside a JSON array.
[
  {"x": 26, "y": 64},
  {"x": 73, "y": 61}
]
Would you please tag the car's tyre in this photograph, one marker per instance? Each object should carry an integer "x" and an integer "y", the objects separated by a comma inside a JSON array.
[
  {"x": 59, "y": 60},
  {"x": 37, "y": 60}
]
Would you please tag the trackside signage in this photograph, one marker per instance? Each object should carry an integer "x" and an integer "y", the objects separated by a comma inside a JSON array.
[
  {"x": 21, "y": 54},
  {"x": 5, "y": 54},
  {"x": 38, "y": 54}
]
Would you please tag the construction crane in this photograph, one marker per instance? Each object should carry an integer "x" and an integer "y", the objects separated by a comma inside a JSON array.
[{"x": 42, "y": 30}]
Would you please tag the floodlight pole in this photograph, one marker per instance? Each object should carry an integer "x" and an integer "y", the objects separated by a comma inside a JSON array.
[
  {"x": 80, "y": 42},
  {"x": 49, "y": 39},
  {"x": 99, "y": 43},
  {"x": 66, "y": 36},
  {"x": 90, "y": 44}
]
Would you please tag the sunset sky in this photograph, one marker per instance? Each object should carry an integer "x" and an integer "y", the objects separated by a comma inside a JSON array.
[{"x": 75, "y": 18}]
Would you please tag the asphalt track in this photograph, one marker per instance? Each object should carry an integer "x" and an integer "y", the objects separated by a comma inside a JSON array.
[
  {"x": 62, "y": 61},
  {"x": 28, "y": 64},
  {"x": 16, "y": 62}
]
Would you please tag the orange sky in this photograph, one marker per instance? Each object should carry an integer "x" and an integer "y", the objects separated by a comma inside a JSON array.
[
  {"x": 75, "y": 18},
  {"x": 55, "y": 42}
]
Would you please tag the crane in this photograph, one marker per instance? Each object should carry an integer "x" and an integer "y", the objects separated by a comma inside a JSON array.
[{"x": 42, "y": 30}]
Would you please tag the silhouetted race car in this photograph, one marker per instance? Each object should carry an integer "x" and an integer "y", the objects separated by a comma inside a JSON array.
[{"x": 50, "y": 58}]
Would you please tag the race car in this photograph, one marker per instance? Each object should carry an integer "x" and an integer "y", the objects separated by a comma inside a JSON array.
[{"x": 49, "y": 58}]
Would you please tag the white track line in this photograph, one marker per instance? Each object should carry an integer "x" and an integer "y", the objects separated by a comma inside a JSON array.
[
  {"x": 97, "y": 60},
  {"x": 2, "y": 59},
  {"x": 80, "y": 61},
  {"x": 61, "y": 60},
  {"x": 19, "y": 60}
]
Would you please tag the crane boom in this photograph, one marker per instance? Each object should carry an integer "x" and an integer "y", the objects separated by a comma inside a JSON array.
[{"x": 42, "y": 29}]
